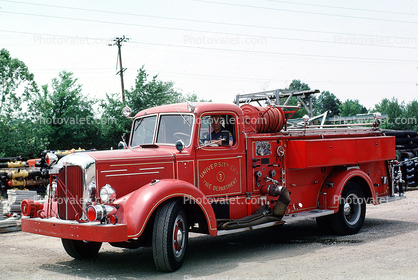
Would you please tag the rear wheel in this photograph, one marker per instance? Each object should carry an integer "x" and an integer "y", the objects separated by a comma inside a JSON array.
[
  {"x": 352, "y": 211},
  {"x": 324, "y": 224},
  {"x": 81, "y": 249},
  {"x": 170, "y": 236}
]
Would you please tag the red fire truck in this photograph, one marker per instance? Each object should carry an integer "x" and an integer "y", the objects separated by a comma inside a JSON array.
[{"x": 175, "y": 176}]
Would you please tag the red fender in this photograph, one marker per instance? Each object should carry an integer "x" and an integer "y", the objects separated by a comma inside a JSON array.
[
  {"x": 136, "y": 208},
  {"x": 340, "y": 178}
]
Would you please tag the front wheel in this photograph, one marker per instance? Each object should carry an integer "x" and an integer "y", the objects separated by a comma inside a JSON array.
[
  {"x": 352, "y": 211},
  {"x": 170, "y": 236},
  {"x": 79, "y": 249}
]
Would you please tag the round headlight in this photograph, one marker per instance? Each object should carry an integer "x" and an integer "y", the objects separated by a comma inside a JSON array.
[{"x": 107, "y": 194}]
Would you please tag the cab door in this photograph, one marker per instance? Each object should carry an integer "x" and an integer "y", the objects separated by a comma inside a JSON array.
[{"x": 221, "y": 169}]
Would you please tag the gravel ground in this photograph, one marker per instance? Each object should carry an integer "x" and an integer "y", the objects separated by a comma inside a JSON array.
[{"x": 385, "y": 248}]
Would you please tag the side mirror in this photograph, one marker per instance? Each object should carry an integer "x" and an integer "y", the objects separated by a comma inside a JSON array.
[
  {"x": 122, "y": 145},
  {"x": 225, "y": 137},
  {"x": 126, "y": 112}
]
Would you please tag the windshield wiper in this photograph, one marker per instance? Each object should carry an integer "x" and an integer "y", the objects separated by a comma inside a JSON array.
[
  {"x": 139, "y": 122},
  {"x": 184, "y": 118}
]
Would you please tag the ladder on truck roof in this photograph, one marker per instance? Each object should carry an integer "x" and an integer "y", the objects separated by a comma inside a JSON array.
[
  {"x": 281, "y": 97},
  {"x": 304, "y": 97}
]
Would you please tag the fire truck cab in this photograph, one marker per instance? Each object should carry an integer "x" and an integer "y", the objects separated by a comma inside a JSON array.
[{"x": 215, "y": 169}]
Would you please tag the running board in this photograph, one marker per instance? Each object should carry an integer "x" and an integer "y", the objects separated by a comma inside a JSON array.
[
  {"x": 265, "y": 225},
  {"x": 288, "y": 218}
]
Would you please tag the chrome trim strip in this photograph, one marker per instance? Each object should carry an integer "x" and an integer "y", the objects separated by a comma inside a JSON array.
[
  {"x": 119, "y": 170},
  {"x": 128, "y": 174},
  {"x": 151, "y": 168}
]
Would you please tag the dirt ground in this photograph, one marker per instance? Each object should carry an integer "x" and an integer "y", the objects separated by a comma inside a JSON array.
[{"x": 385, "y": 248}]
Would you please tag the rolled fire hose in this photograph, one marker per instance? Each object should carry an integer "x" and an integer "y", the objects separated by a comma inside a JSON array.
[{"x": 259, "y": 218}]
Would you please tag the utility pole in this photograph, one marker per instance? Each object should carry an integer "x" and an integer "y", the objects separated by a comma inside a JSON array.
[{"x": 118, "y": 42}]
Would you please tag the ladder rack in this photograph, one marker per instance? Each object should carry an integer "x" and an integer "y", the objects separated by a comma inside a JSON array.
[{"x": 276, "y": 95}]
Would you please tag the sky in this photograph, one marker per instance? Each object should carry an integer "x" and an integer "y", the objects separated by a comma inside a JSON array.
[{"x": 365, "y": 50}]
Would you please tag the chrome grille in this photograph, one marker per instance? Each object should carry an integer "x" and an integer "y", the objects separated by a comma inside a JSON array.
[{"x": 70, "y": 192}]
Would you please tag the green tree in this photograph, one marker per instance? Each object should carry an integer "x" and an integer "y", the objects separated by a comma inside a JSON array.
[
  {"x": 411, "y": 115},
  {"x": 113, "y": 123},
  {"x": 395, "y": 113},
  {"x": 299, "y": 86},
  {"x": 20, "y": 136},
  {"x": 14, "y": 75},
  {"x": 352, "y": 108},
  {"x": 327, "y": 102},
  {"x": 192, "y": 97},
  {"x": 144, "y": 94},
  {"x": 67, "y": 117},
  {"x": 150, "y": 93}
]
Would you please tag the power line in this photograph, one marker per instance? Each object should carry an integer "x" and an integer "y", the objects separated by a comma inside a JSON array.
[
  {"x": 207, "y": 76},
  {"x": 282, "y": 53},
  {"x": 210, "y": 22},
  {"x": 248, "y": 51},
  {"x": 303, "y": 12},
  {"x": 227, "y": 33},
  {"x": 275, "y": 1},
  {"x": 341, "y": 8}
]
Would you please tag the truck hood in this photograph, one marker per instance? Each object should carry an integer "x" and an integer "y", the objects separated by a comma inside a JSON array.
[
  {"x": 137, "y": 154},
  {"x": 128, "y": 170}
]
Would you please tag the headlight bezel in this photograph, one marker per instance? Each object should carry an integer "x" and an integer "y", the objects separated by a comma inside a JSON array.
[{"x": 107, "y": 194}]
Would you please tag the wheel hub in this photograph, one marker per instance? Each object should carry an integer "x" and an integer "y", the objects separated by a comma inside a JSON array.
[
  {"x": 347, "y": 209},
  {"x": 178, "y": 237},
  {"x": 352, "y": 209}
]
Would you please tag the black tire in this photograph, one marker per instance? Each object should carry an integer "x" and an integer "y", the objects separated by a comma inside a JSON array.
[
  {"x": 412, "y": 133},
  {"x": 403, "y": 141},
  {"x": 170, "y": 236},
  {"x": 80, "y": 249},
  {"x": 324, "y": 223},
  {"x": 396, "y": 133},
  {"x": 352, "y": 211},
  {"x": 407, "y": 155}
]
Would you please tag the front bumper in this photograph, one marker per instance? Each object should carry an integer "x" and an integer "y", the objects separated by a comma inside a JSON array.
[{"x": 74, "y": 230}]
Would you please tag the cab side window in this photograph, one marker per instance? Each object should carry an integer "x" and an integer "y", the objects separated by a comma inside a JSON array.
[{"x": 215, "y": 128}]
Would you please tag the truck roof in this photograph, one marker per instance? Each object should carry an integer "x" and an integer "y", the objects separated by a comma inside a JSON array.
[{"x": 199, "y": 108}]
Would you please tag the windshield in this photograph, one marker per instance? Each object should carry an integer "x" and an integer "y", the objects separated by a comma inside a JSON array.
[
  {"x": 143, "y": 131},
  {"x": 171, "y": 128}
]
